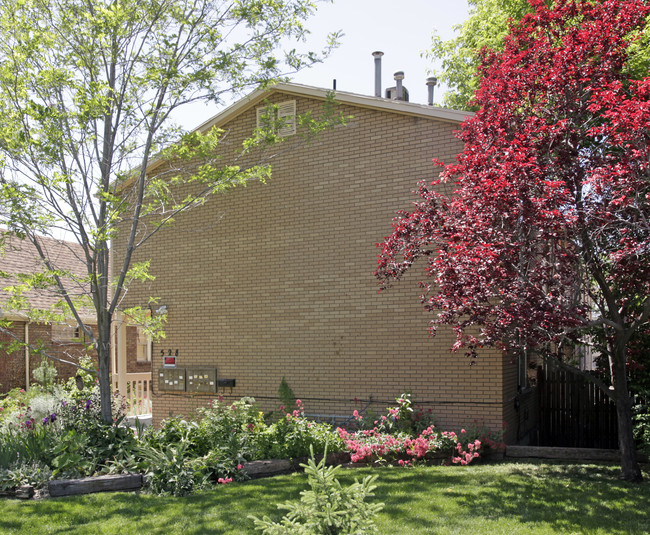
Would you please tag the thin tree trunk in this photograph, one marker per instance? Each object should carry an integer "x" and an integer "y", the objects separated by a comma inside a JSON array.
[
  {"x": 104, "y": 358},
  {"x": 630, "y": 470}
]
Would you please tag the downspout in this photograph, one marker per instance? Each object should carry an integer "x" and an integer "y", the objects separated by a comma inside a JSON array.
[{"x": 27, "y": 322}]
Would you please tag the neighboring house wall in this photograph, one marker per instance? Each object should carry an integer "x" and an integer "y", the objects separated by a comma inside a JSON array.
[
  {"x": 58, "y": 340},
  {"x": 12, "y": 364},
  {"x": 137, "y": 353},
  {"x": 276, "y": 280}
]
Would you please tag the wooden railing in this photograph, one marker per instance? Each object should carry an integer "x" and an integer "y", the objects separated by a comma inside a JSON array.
[{"x": 138, "y": 392}]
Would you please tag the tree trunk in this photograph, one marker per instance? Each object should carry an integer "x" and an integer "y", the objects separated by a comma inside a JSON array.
[
  {"x": 630, "y": 470},
  {"x": 104, "y": 358}
]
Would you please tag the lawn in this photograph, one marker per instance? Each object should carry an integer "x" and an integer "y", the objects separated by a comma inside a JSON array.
[{"x": 509, "y": 498}]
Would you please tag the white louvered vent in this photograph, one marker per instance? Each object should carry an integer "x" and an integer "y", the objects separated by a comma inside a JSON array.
[{"x": 285, "y": 116}]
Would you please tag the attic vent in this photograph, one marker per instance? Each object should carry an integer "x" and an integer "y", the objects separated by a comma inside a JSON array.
[{"x": 282, "y": 117}]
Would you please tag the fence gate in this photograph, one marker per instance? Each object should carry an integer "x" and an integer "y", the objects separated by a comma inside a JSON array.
[{"x": 573, "y": 412}]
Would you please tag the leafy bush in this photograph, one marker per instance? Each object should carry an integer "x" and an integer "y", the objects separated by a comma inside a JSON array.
[
  {"x": 35, "y": 473},
  {"x": 395, "y": 438},
  {"x": 642, "y": 424},
  {"x": 203, "y": 453},
  {"x": 328, "y": 507},
  {"x": 26, "y": 442},
  {"x": 170, "y": 470},
  {"x": 295, "y": 436},
  {"x": 45, "y": 374},
  {"x": 229, "y": 427},
  {"x": 84, "y": 379}
]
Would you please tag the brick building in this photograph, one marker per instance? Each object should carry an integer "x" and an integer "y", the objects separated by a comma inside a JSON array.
[
  {"x": 276, "y": 279},
  {"x": 62, "y": 339}
]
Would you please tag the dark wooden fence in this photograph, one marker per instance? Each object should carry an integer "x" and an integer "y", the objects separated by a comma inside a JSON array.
[{"x": 573, "y": 412}]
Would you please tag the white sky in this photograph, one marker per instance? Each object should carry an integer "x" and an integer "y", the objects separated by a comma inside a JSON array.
[{"x": 401, "y": 29}]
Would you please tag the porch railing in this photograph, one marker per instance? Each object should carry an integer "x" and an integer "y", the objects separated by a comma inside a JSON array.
[{"x": 138, "y": 392}]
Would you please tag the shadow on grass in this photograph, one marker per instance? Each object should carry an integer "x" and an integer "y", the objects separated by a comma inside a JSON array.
[
  {"x": 562, "y": 497},
  {"x": 512, "y": 497},
  {"x": 223, "y": 510}
]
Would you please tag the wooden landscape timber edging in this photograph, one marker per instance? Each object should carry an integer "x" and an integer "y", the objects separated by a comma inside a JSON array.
[
  {"x": 87, "y": 485},
  {"x": 272, "y": 467}
]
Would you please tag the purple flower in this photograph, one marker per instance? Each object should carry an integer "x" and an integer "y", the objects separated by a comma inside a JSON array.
[{"x": 87, "y": 404}]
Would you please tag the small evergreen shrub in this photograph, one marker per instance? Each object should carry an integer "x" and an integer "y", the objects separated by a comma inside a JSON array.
[
  {"x": 327, "y": 508},
  {"x": 45, "y": 374}
]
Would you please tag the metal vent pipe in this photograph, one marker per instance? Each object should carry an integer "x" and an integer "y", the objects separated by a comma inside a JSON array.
[
  {"x": 431, "y": 84},
  {"x": 399, "y": 76},
  {"x": 377, "y": 55}
]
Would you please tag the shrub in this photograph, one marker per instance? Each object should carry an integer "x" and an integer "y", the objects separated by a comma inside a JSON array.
[
  {"x": 35, "y": 473},
  {"x": 295, "y": 436},
  {"x": 170, "y": 470},
  {"x": 395, "y": 438},
  {"x": 642, "y": 424},
  {"x": 229, "y": 426},
  {"x": 26, "y": 441},
  {"x": 90, "y": 441},
  {"x": 45, "y": 374},
  {"x": 327, "y": 507}
]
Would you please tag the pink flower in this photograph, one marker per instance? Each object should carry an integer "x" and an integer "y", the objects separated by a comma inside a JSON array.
[
  {"x": 463, "y": 431},
  {"x": 224, "y": 480},
  {"x": 240, "y": 466}
]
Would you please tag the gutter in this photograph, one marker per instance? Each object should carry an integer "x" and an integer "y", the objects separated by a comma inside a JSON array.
[{"x": 27, "y": 324}]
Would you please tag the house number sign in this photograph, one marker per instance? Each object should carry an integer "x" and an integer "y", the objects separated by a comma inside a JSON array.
[{"x": 169, "y": 360}]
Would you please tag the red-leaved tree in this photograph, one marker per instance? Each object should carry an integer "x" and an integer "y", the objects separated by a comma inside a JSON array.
[{"x": 546, "y": 236}]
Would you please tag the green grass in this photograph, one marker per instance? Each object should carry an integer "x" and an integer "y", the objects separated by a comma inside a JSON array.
[{"x": 509, "y": 498}]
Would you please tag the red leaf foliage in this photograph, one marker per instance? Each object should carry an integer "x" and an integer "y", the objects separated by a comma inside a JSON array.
[{"x": 547, "y": 232}]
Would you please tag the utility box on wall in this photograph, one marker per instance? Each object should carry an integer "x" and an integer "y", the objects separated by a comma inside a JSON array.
[
  {"x": 171, "y": 379},
  {"x": 202, "y": 380}
]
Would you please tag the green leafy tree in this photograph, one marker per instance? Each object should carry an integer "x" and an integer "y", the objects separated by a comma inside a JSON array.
[
  {"x": 88, "y": 94},
  {"x": 486, "y": 27}
]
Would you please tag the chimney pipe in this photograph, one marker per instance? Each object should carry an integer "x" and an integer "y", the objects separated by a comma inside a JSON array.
[
  {"x": 431, "y": 83},
  {"x": 399, "y": 76},
  {"x": 377, "y": 55}
]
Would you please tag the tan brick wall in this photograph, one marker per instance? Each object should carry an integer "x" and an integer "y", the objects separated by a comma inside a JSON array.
[{"x": 276, "y": 280}]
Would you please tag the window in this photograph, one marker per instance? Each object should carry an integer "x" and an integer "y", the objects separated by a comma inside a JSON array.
[
  {"x": 280, "y": 117},
  {"x": 143, "y": 346},
  {"x": 64, "y": 333}
]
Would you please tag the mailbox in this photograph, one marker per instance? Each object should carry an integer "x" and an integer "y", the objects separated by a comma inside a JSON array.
[
  {"x": 202, "y": 380},
  {"x": 171, "y": 379}
]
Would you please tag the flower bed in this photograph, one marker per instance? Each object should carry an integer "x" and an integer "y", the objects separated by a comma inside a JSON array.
[{"x": 71, "y": 441}]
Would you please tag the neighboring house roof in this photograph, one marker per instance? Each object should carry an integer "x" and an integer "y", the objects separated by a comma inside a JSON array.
[{"x": 21, "y": 257}]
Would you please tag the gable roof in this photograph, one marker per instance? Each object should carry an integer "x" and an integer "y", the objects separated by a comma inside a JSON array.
[
  {"x": 354, "y": 99},
  {"x": 21, "y": 257}
]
